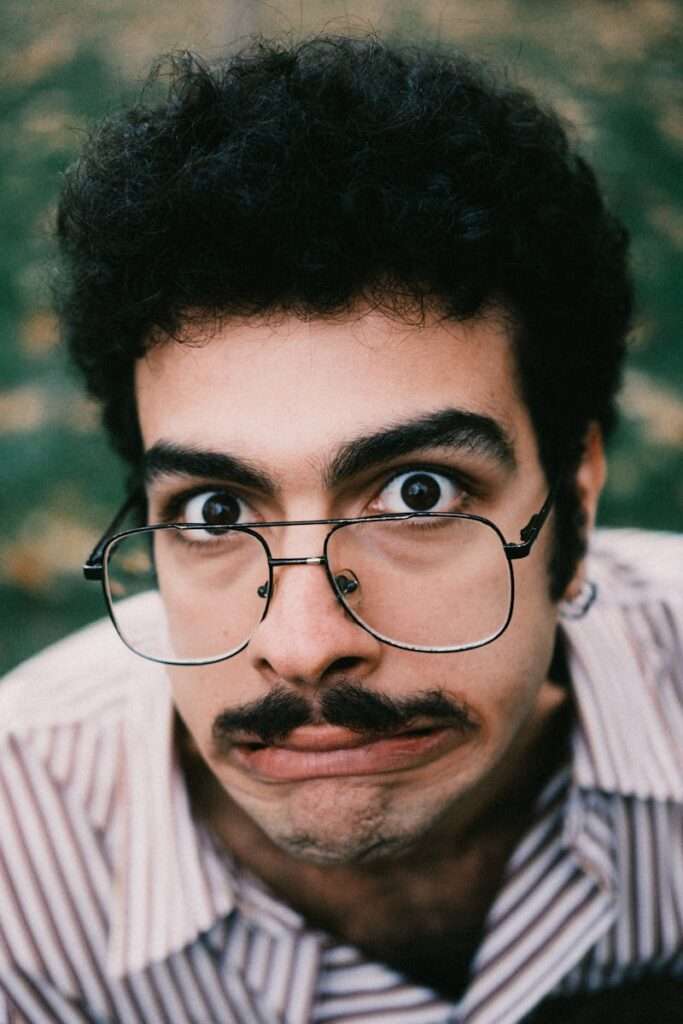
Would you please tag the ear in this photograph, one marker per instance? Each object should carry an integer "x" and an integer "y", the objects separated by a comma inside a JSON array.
[
  {"x": 590, "y": 480},
  {"x": 591, "y": 474}
]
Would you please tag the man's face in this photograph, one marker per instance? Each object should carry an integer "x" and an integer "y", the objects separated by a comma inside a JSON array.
[{"x": 281, "y": 401}]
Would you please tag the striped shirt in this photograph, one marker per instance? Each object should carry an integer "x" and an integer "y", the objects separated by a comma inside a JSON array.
[{"x": 116, "y": 905}]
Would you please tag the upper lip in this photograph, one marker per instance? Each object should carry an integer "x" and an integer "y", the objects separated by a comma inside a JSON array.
[{"x": 319, "y": 738}]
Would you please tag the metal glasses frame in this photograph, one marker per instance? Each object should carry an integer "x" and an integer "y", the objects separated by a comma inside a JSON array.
[{"x": 95, "y": 567}]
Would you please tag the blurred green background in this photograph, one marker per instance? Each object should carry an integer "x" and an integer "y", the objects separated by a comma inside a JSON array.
[{"x": 612, "y": 68}]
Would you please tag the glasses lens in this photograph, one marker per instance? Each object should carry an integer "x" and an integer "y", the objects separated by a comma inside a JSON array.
[
  {"x": 427, "y": 583},
  {"x": 187, "y": 595}
]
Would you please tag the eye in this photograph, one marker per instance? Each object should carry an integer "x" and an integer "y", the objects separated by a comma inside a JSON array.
[
  {"x": 420, "y": 491},
  {"x": 215, "y": 508}
]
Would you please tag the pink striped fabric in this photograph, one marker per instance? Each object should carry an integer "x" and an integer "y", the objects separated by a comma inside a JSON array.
[{"x": 115, "y": 906}]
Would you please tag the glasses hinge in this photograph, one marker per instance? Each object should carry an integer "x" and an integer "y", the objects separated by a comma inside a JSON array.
[{"x": 518, "y": 550}]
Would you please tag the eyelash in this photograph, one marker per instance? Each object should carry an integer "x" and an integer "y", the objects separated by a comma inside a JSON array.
[{"x": 173, "y": 504}]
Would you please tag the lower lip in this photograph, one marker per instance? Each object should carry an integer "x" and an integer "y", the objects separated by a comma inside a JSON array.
[{"x": 396, "y": 753}]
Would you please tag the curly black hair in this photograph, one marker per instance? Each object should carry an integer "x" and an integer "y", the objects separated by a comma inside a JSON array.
[{"x": 312, "y": 176}]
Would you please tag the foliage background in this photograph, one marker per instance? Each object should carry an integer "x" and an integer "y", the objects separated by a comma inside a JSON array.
[{"x": 612, "y": 68}]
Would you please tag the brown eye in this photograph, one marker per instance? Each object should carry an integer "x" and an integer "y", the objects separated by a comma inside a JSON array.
[
  {"x": 221, "y": 510},
  {"x": 420, "y": 491},
  {"x": 214, "y": 508}
]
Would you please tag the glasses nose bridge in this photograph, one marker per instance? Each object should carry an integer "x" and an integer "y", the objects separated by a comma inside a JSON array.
[
  {"x": 273, "y": 563},
  {"x": 314, "y": 538},
  {"x": 304, "y": 560},
  {"x": 283, "y": 561}
]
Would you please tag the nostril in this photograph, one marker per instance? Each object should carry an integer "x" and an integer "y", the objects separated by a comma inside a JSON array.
[{"x": 343, "y": 665}]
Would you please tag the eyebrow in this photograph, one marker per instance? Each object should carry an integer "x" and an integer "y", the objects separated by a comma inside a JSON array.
[
  {"x": 451, "y": 428},
  {"x": 167, "y": 459},
  {"x": 458, "y": 429}
]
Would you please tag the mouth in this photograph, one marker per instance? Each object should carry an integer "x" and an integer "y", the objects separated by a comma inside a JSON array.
[{"x": 324, "y": 751}]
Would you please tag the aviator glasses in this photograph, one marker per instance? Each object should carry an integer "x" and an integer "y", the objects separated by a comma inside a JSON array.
[{"x": 193, "y": 594}]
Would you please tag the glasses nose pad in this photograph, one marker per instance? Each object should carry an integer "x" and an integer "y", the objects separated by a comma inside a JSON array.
[
  {"x": 347, "y": 583},
  {"x": 264, "y": 590}
]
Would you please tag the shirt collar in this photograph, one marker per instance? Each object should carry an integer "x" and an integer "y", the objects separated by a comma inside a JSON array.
[
  {"x": 172, "y": 881},
  {"x": 622, "y": 675},
  {"x": 169, "y": 882}
]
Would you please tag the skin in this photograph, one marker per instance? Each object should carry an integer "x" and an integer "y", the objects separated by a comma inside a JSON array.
[{"x": 353, "y": 851}]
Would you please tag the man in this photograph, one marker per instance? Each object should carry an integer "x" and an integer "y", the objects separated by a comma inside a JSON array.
[{"x": 381, "y": 742}]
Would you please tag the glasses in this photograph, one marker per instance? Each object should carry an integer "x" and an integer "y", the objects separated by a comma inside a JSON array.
[{"x": 191, "y": 594}]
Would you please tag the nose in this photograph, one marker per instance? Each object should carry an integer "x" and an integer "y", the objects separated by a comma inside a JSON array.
[{"x": 307, "y": 637}]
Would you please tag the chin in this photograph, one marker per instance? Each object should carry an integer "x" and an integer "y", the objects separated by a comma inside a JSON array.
[
  {"x": 315, "y": 849},
  {"x": 350, "y": 829}
]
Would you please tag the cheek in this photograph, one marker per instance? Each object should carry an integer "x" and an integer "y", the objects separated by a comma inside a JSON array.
[
  {"x": 501, "y": 682},
  {"x": 200, "y": 693},
  {"x": 210, "y": 591}
]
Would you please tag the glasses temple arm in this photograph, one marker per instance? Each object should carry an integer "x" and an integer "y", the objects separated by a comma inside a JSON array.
[
  {"x": 530, "y": 532},
  {"x": 92, "y": 567}
]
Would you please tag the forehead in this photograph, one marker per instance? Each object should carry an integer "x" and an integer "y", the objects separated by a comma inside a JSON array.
[{"x": 291, "y": 388}]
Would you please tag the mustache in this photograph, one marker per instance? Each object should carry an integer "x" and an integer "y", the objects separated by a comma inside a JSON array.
[{"x": 345, "y": 704}]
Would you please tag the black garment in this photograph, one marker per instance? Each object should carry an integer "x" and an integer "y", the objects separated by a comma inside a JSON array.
[{"x": 649, "y": 1001}]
